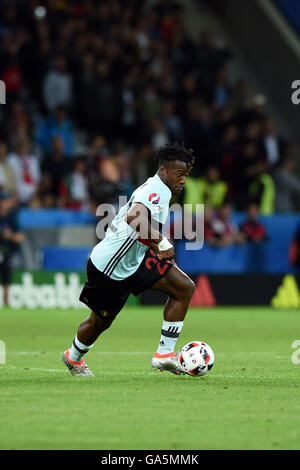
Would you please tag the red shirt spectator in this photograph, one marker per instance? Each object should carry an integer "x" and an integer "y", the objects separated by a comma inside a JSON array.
[
  {"x": 294, "y": 250},
  {"x": 252, "y": 227},
  {"x": 12, "y": 76}
]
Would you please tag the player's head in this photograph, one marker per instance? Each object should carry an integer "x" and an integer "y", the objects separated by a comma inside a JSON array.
[{"x": 174, "y": 165}]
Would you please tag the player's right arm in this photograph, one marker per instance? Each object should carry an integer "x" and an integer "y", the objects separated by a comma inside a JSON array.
[{"x": 138, "y": 219}]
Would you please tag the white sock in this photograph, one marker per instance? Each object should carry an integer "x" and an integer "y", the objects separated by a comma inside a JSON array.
[
  {"x": 78, "y": 350},
  {"x": 169, "y": 335}
]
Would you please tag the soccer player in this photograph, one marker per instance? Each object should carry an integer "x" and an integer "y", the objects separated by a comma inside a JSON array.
[{"x": 133, "y": 257}]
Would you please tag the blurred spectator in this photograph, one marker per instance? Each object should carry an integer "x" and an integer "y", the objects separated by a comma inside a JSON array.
[
  {"x": 294, "y": 249},
  {"x": 209, "y": 190},
  {"x": 212, "y": 189},
  {"x": 188, "y": 91},
  {"x": 150, "y": 104},
  {"x": 253, "y": 229},
  {"x": 26, "y": 170},
  {"x": 13, "y": 78},
  {"x": 57, "y": 86},
  {"x": 240, "y": 95},
  {"x": 20, "y": 133},
  {"x": 122, "y": 161},
  {"x": 7, "y": 176},
  {"x": 56, "y": 166},
  {"x": 44, "y": 197},
  {"x": 129, "y": 120},
  {"x": 144, "y": 166},
  {"x": 271, "y": 143},
  {"x": 199, "y": 132},
  {"x": 10, "y": 238},
  {"x": 252, "y": 132},
  {"x": 210, "y": 235},
  {"x": 289, "y": 149},
  {"x": 223, "y": 152},
  {"x": 56, "y": 125},
  {"x": 221, "y": 90},
  {"x": 210, "y": 57},
  {"x": 73, "y": 189},
  {"x": 97, "y": 151},
  {"x": 262, "y": 191},
  {"x": 18, "y": 121},
  {"x": 254, "y": 110},
  {"x": 172, "y": 121},
  {"x": 225, "y": 231},
  {"x": 219, "y": 231},
  {"x": 106, "y": 186},
  {"x": 248, "y": 164},
  {"x": 85, "y": 90},
  {"x": 107, "y": 102},
  {"x": 287, "y": 185},
  {"x": 159, "y": 134}
]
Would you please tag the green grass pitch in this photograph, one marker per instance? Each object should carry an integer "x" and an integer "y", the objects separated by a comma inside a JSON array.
[{"x": 250, "y": 399}]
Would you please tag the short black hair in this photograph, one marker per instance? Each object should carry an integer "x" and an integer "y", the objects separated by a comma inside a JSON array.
[{"x": 175, "y": 151}]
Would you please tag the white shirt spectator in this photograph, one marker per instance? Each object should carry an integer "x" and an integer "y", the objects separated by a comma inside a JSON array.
[
  {"x": 7, "y": 177},
  {"x": 159, "y": 134},
  {"x": 79, "y": 187},
  {"x": 272, "y": 149},
  {"x": 27, "y": 173},
  {"x": 57, "y": 89}
]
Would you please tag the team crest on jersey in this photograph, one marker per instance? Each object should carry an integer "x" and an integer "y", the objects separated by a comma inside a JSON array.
[
  {"x": 154, "y": 198},
  {"x": 104, "y": 313}
]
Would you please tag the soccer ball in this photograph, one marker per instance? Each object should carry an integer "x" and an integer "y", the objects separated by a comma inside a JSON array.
[{"x": 196, "y": 358}]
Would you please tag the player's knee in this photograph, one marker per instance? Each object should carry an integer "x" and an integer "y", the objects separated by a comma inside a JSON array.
[
  {"x": 106, "y": 324},
  {"x": 187, "y": 289},
  {"x": 100, "y": 323},
  {"x": 191, "y": 288}
]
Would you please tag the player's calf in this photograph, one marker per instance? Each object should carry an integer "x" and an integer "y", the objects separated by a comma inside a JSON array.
[
  {"x": 87, "y": 334},
  {"x": 92, "y": 327},
  {"x": 180, "y": 289}
]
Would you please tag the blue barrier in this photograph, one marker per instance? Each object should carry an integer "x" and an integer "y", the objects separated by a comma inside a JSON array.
[
  {"x": 31, "y": 218},
  {"x": 270, "y": 256},
  {"x": 65, "y": 259}
]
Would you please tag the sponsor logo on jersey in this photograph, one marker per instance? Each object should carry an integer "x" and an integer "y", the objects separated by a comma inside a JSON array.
[{"x": 154, "y": 198}]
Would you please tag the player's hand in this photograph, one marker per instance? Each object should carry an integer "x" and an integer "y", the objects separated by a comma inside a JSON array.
[
  {"x": 167, "y": 254},
  {"x": 154, "y": 247}
]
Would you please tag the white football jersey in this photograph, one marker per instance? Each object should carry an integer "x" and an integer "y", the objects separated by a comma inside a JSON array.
[{"x": 120, "y": 254}]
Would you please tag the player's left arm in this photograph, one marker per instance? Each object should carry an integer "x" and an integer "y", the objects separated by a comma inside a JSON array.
[{"x": 138, "y": 218}]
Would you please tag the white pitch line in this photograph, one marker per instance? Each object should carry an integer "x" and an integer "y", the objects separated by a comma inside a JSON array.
[
  {"x": 30, "y": 353},
  {"x": 65, "y": 371},
  {"x": 211, "y": 377},
  {"x": 242, "y": 355},
  {"x": 30, "y": 368},
  {"x": 248, "y": 353}
]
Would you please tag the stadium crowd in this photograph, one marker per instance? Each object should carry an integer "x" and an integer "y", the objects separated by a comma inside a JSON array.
[{"x": 94, "y": 88}]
